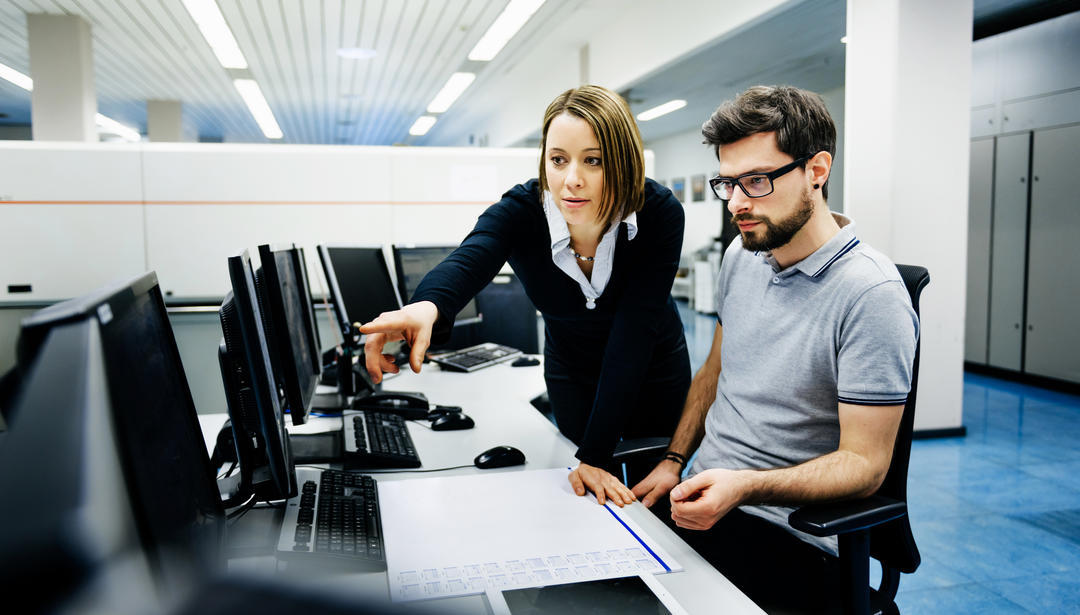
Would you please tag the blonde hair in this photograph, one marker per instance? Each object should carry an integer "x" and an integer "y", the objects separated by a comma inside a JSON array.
[{"x": 621, "y": 152}]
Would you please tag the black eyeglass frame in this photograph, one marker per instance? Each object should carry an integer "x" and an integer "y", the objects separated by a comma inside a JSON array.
[{"x": 771, "y": 176}]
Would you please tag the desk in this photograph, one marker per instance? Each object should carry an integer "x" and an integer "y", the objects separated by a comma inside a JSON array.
[{"x": 497, "y": 398}]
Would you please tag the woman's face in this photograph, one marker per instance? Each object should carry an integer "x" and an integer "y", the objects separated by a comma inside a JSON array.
[{"x": 575, "y": 173}]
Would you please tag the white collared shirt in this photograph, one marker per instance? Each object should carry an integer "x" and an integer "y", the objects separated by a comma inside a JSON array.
[{"x": 565, "y": 260}]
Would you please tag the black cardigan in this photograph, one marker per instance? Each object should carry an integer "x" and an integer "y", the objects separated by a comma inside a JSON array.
[{"x": 611, "y": 345}]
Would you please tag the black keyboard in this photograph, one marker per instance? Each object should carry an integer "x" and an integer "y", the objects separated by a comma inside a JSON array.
[
  {"x": 334, "y": 518},
  {"x": 376, "y": 440},
  {"x": 475, "y": 357}
]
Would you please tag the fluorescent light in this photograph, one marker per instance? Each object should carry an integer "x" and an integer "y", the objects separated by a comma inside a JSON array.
[
  {"x": 356, "y": 53},
  {"x": 257, "y": 105},
  {"x": 843, "y": 39},
  {"x": 422, "y": 125},
  {"x": 503, "y": 29},
  {"x": 111, "y": 126},
  {"x": 14, "y": 76},
  {"x": 455, "y": 85},
  {"x": 664, "y": 109},
  {"x": 212, "y": 24}
]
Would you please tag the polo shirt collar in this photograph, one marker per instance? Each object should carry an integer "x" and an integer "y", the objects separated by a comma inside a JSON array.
[{"x": 819, "y": 262}]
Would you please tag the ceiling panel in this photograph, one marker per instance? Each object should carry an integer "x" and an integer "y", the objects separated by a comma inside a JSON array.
[{"x": 151, "y": 49}]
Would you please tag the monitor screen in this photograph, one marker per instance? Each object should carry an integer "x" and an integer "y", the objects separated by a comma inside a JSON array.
[
  {"x": 412, "y": 263},
  {"x": 360, "y": 283},
  {"x": 262, "y": 444},
  {"x": 159, "y": 447},
  {"x": 312, "y": 324},
  {"x": 286, "y": 309}
]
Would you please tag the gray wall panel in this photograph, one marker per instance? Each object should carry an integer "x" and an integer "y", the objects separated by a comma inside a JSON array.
[
  {"x": 1008, "y": 244},
  {"x": 980, "y": 199}
]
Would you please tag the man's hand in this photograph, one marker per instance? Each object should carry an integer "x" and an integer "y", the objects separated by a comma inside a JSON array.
[
  {"x": 700, "y": 501},
  {"x": 658, "y": 483},
  {"x": 412, "y": 323},
  {"x": 600, "y": 482}
]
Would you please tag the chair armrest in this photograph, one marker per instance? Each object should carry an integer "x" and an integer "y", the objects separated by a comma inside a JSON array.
[
  {"x": 639, "y": 447},
  {"x": 832, "y": 518}
]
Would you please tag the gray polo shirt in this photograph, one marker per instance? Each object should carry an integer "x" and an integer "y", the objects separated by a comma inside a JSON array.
[{"x": 835, "y": 327}]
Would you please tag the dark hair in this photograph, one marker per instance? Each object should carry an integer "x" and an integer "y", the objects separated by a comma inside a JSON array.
[
  {"x": 799, "y": 118},
  {"x": 622, "y": 154}
]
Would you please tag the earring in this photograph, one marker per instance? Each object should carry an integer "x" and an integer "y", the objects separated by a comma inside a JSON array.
[{"x": 816, "y": 186}]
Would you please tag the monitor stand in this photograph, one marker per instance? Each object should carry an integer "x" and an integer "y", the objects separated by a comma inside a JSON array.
[{"x": 324, "y": 447}]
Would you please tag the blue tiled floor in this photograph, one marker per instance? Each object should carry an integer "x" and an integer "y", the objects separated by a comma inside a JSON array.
[{"x": 996, "y": 514}]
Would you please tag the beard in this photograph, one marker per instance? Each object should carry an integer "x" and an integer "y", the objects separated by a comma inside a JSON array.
[{"x": 776, "y": 234}]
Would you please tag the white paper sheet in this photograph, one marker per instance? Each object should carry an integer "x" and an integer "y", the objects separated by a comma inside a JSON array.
[{"x": 464, "y": 534}]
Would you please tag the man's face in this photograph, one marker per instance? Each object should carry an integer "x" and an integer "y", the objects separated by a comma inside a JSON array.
[{"x": 771, "y": 221}]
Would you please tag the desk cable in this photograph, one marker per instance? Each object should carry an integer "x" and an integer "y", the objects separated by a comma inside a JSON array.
[{"x": 392, "y": 471}]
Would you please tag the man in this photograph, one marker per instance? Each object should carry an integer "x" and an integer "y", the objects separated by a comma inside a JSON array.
[{"x": 802, "y": 393}]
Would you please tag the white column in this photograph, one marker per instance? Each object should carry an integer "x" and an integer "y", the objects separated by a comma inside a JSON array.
[
  {"x": 907, "y": 123},
  {"x": 164, "y": 120},
  {"x": 63, "y": 104}
]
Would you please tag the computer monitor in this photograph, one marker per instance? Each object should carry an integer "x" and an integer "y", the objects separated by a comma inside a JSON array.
[
  {"x": 360, "y": 283},
  {"x": 412, "y": 263},
  {"x": 286, "y": 312},
  {"x": 106, "y": 440},
  {"x": 311, "y": 322},
  {"x": 254, "y": 401}
]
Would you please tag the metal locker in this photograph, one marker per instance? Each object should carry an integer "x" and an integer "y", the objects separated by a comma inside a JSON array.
[
  {"x": 1052, "y": 344},
  {"x": 1008, "y": 242},
  {"x": 980, "y": 201}
]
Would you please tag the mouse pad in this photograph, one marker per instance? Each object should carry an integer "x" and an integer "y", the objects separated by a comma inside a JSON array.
[{"x": 460, "y": 535}]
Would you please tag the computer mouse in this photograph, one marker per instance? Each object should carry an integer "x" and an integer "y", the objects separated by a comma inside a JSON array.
[
  {"x": 525, "y": 362},
  {"x": 452, "y": 420},
  {"x": 499, "y": 457}
]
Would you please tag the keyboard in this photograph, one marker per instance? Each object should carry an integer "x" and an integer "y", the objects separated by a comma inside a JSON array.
[
  {"x": 475, "y": 357},
  {"x": 376, "y": 440},
  {"x": 333, "y": 519}
]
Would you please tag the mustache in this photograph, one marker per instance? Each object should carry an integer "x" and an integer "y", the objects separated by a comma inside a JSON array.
[{"x": 745, "y": 218}]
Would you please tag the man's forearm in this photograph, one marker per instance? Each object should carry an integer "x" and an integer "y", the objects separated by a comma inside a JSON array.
[
  {"x": 691, "y": 426},
  {"x": 837, "y": 475}
]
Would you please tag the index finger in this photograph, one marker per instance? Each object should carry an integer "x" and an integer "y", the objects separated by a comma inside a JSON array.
[{"x": 388, "y": 322}]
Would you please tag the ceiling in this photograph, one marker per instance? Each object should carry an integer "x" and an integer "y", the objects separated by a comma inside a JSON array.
[{"x": 151, "y": 49}]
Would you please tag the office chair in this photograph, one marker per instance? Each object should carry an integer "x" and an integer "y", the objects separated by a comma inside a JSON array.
[{"x": 876, "y": 526}]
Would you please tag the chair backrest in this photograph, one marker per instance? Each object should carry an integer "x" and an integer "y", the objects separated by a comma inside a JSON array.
[{"x": 892, "y": 543}]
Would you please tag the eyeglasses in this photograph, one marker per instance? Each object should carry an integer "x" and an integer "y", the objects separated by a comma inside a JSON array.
[{"x": 754, "y": 185}]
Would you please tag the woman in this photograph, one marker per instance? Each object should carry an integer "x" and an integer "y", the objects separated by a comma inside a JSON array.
[{"x": 596, "y": 246}]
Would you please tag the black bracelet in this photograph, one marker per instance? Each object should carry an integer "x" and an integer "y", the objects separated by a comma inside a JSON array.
[{"x": 676, "y": 457}]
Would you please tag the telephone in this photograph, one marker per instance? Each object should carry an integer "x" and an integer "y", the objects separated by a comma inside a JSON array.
[{"x": 408, "y": 404}]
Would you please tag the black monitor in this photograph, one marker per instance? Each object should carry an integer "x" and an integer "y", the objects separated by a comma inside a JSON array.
[
  {"x": 310, "y": 321},
  {"x": 360, "y": 283},
  {"x": 286, "y": 311},
  {"x": 105, "y": 443},
  {"x": 254, "y": 400},
  {"x": 412, "y": 263}
]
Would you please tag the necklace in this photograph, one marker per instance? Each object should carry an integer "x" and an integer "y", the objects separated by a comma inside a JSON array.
[{"x": 584, "y": 259}]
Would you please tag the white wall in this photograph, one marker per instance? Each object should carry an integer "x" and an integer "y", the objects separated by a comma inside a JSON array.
[
  {"x": 76, "y": 216},
  {"x": 908, "y": 115}
]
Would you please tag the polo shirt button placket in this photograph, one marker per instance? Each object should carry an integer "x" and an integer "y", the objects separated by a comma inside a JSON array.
[{"x": 776, "y": 280}]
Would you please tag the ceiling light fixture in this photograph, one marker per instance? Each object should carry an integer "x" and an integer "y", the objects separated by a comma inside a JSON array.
[
  {"x": 14, "y": 76},
  {"x": 455, "y": 85},
  {"x": 664, "y": 109},
  {"x": 259, "y": 108},
  {"x": 356, "y": 53},
  {"x": 212, "y": 25},
  {"x": 422, "y": 125},
  {"x": 505, "y": 26},
  {"x": 111, "y": 126}
]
